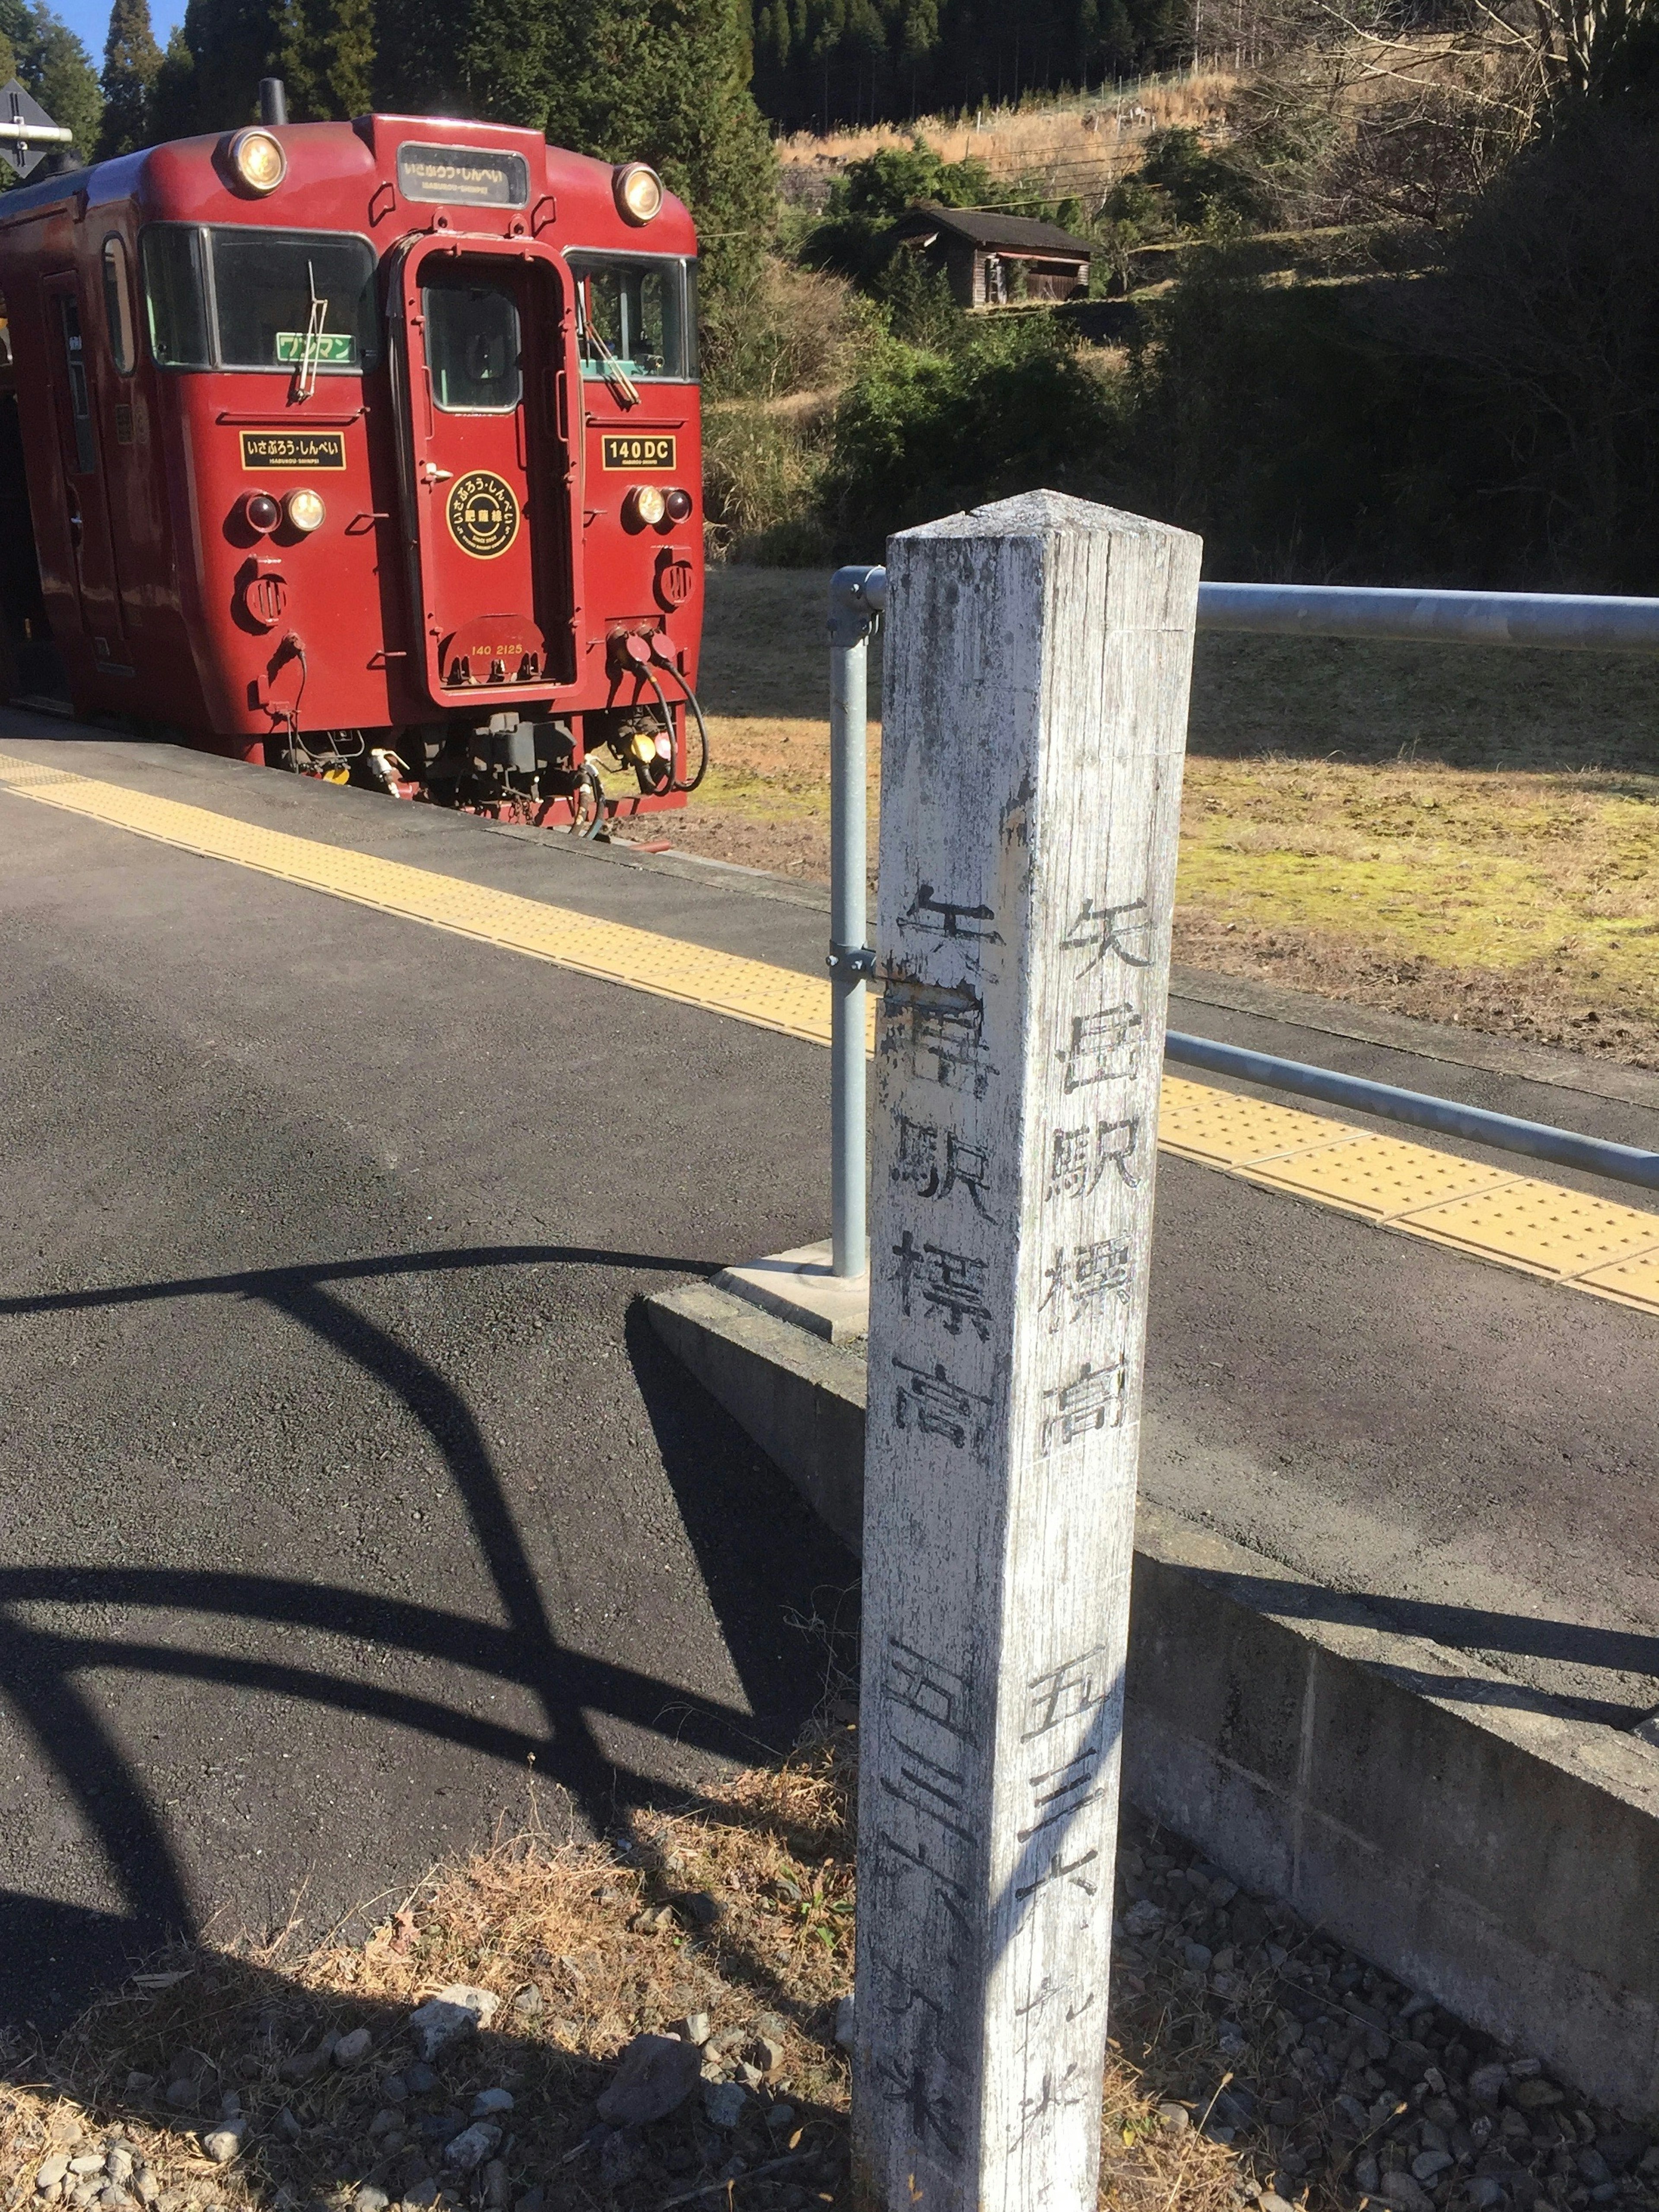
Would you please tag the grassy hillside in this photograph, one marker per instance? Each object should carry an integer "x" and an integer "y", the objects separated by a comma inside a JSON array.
[{"x": 1464, "y": 835}]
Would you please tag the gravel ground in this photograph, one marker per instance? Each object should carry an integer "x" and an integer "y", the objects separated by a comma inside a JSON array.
[{"x": 659, "y": 2021}]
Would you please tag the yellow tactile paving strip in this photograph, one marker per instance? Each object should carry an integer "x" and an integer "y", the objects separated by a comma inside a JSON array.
[
  {"x": 750, "y": 990},
  {"x": 1566, "y": 1236}
]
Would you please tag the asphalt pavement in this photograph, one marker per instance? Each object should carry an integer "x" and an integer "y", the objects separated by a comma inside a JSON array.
[{"x": 349, "y": 1510}]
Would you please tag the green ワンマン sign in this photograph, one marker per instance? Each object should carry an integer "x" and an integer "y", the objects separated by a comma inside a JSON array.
[{"x": 328, "y": 349}]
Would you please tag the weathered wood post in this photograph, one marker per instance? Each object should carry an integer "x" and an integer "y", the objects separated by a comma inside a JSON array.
[{"x": 1037, "y": 669}]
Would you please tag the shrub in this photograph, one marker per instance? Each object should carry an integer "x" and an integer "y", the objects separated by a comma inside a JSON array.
[
  {"x": 779, "y": 330},
  {"x": 1008, "y": 408},
  {"x": 762, "y": 471}
]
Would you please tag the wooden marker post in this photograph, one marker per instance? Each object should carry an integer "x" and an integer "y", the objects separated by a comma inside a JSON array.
[{"x": 1038, "y": 659}]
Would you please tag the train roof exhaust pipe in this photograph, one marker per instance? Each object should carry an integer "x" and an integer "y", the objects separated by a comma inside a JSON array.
[{"x": 273, "y": 100}]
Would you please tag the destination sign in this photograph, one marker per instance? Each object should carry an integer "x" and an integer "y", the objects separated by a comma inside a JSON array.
[
  {"x": 293, "y": 449},
  {"x": 629, "y": 449},
  {"x": 464, "y": 176},
  {"x": 328, "y": 349}
]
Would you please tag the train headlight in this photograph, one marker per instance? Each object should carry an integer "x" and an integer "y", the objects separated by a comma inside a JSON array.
[
  {"x": 678, "y": 504},
  {"x": 257, "y": 162},
  {"x": 260, "y": 512},
  {"x": 649, "y": 502},
  {"x": 639, "y": 193},
  {"x": 305, "y": 511}
]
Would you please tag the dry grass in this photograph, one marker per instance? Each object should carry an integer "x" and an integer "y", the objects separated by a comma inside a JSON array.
[
  {"x": 1249, "y": 2057},
  {"x": 1466, "y": 835},
  {"x": 1077, "y": 145},
  {"x": 610, "y": 1939}
]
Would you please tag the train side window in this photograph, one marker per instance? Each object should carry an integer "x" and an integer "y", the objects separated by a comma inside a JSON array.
[
  {"x": 472, "y": 348},
  {"x": 85, "y": 451},
  {"x": 118, "y": 305},
  {"x": 174, "y": 301}
]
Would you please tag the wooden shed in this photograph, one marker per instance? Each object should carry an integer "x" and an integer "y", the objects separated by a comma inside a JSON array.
[{"x": 991, "y": 260}]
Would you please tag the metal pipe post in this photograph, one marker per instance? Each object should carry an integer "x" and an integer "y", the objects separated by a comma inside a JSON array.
[{"x": 856, "y": 597}]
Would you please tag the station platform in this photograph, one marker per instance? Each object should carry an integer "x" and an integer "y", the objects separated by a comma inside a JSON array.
[{"x": 347, "y": 1505}]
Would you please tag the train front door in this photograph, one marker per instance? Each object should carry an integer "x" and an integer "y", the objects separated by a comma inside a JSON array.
[
  {"x": 69, "y": 340},
  {"x": 486, "y": 361}
]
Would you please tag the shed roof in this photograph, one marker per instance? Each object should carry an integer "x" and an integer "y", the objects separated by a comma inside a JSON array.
[{"x": 1014, "y": 233}]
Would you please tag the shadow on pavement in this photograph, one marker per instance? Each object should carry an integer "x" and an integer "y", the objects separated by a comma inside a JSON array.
[{"x": 731, "y": 1501}]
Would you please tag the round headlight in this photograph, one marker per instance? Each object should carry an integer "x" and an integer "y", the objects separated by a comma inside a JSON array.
[
  {"x": 648, "y": 503},
  {"x": 639, "y": 193},
  {"x": 260, "y": 512},
  {"x": 304, "y": 510},
  {"x": 678, "y": 504},
  {"x": 257, "y": 162}
]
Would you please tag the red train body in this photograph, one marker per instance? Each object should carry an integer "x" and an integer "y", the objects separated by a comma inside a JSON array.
[{"x": 366, "y": 448}]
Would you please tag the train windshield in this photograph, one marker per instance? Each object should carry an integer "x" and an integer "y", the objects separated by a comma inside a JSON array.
[
  {"x": 231, "y": 298},
  {"x": 636, "y": 317}
]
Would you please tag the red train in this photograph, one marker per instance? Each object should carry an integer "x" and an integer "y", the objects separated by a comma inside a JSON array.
[{"x": 367, "y": 449}]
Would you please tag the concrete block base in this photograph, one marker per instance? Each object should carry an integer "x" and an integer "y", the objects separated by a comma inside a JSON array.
[
  {"x": 797, "y": 1286},
  {"x": 1504, "y": 1860}
]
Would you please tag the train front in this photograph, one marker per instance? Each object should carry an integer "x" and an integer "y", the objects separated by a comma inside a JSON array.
[{"x": 431, "y": 392}]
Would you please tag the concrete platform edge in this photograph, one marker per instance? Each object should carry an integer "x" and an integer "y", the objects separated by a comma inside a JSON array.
[{"x": 1398, "y": 1795}]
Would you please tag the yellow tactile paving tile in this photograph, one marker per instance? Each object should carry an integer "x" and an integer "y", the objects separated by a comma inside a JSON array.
[
  {"x": 1380, "y": 1177},
  {"x": 1630, "y": 1282},
  {"x": 750, "y": 990},
  {"x": 1586, "y": 1244},
  {"x": 1221, "y": 1128},
  {"x": 1540, "y": 1227}
]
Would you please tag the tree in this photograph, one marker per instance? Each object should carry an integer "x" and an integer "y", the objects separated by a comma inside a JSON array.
[
  {"x": 660, "y": 81},
  {"x": 132, "y": 62},
  {"x": 233, "y": 43},
  {"x": 667, "y": 81},
  {"x": 327, "y": 59},
  {"x": 173, "y": 101},
  {"x": 52, "y": 64}
]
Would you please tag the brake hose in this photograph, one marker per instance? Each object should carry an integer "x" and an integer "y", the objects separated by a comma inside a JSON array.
[{"x": 652, "y": 665}]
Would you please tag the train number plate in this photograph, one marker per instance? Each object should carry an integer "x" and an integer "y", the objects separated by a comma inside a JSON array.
[
  {"x": 293, "y": 449},
  {"x": 629, "y": 449}
]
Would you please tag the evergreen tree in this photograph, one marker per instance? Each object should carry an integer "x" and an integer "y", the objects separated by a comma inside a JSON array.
[
  {"x": 820, "y": 63},
  {"x": 667, "y": 81},
  {"x": 49, "y": 60},
  {"x": 327, "y": 59},
  {"x": 232, "y": 44},
  {"x": 132, "y": 62},
  {"x": 660, "y": 81},
  {"x": 172, "y": 103}
]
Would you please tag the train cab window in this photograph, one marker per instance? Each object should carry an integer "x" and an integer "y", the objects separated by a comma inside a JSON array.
[
  {"x": 175, "y": 297},
  {"x": 237, "y": 298},
  {"x": 283, "y": 296},
  {"x": 118, "y": 305},
  {"x": 634, "y": 315},
  {"x": 472, "y": 347}
]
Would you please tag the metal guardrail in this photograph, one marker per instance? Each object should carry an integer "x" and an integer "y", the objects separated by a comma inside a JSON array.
[
  {"x": 857, "y": 597},
  {"x": 1623, "y": 1163},
  {"x": 1559, "y": 620}
]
